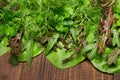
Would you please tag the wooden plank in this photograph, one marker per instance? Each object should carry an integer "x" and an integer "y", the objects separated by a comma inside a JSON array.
[
  {"x": 36, "y": 71},
  {"x": 117, "y": 76},
  {"x": 83, "y": 71},
  {"x": 42, "y": 69},
  {"x": 8, "y": 72}
]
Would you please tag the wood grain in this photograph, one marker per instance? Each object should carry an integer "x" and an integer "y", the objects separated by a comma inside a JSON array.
[
  {"x": 117, "y": 76},
  {"x": 42, "y": 69}
]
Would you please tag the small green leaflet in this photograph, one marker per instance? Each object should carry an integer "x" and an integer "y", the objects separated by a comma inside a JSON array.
[
  {"x": 116, "y": 40},
  {"x": 51, "y": 43},
  {"x": 74, "y": 33}
]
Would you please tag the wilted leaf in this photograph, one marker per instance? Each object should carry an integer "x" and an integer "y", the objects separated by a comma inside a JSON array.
[
  {"x": 112, "y": 58},
  {"x": 13, "y": 60}
]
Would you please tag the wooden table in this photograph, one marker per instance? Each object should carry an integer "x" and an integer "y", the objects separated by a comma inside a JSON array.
[{"x": 42, "y": 69}]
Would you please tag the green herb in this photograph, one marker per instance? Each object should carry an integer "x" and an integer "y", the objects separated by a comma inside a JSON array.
[{"x": 66, "y": 31}]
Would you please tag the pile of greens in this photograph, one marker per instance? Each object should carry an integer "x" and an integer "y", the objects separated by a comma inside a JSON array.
[{"x": 67, "y": 32}]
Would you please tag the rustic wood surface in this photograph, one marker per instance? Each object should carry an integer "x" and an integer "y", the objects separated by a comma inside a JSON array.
[{"x": 42, "y": 69}]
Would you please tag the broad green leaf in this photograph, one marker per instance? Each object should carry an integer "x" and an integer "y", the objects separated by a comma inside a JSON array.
[
  {"x": 87, "y": 48},
  {"x": 51, "y": 43},
  {"x": 57, "y": 57},
  {"x": 118, "y": 21},
  {"x": 3, "y": 46},
  {"x": 101, "y": 63},
  {"x": 92, "y": 54},
  {"x": 4, "y": 50},
  {"x": 37, "y": 50},
  {"x": 4, "y": 42},
  {"x": 61, "y": 28},
  {"x": 10, "y": 31},
  {"x": 117, "y": 6},
  {"x": 91, "y": 37},
  {"x": 68, "y": 11}
]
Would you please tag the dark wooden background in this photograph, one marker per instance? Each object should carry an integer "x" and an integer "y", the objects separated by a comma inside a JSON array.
[{"x": 42, "y": 69}]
